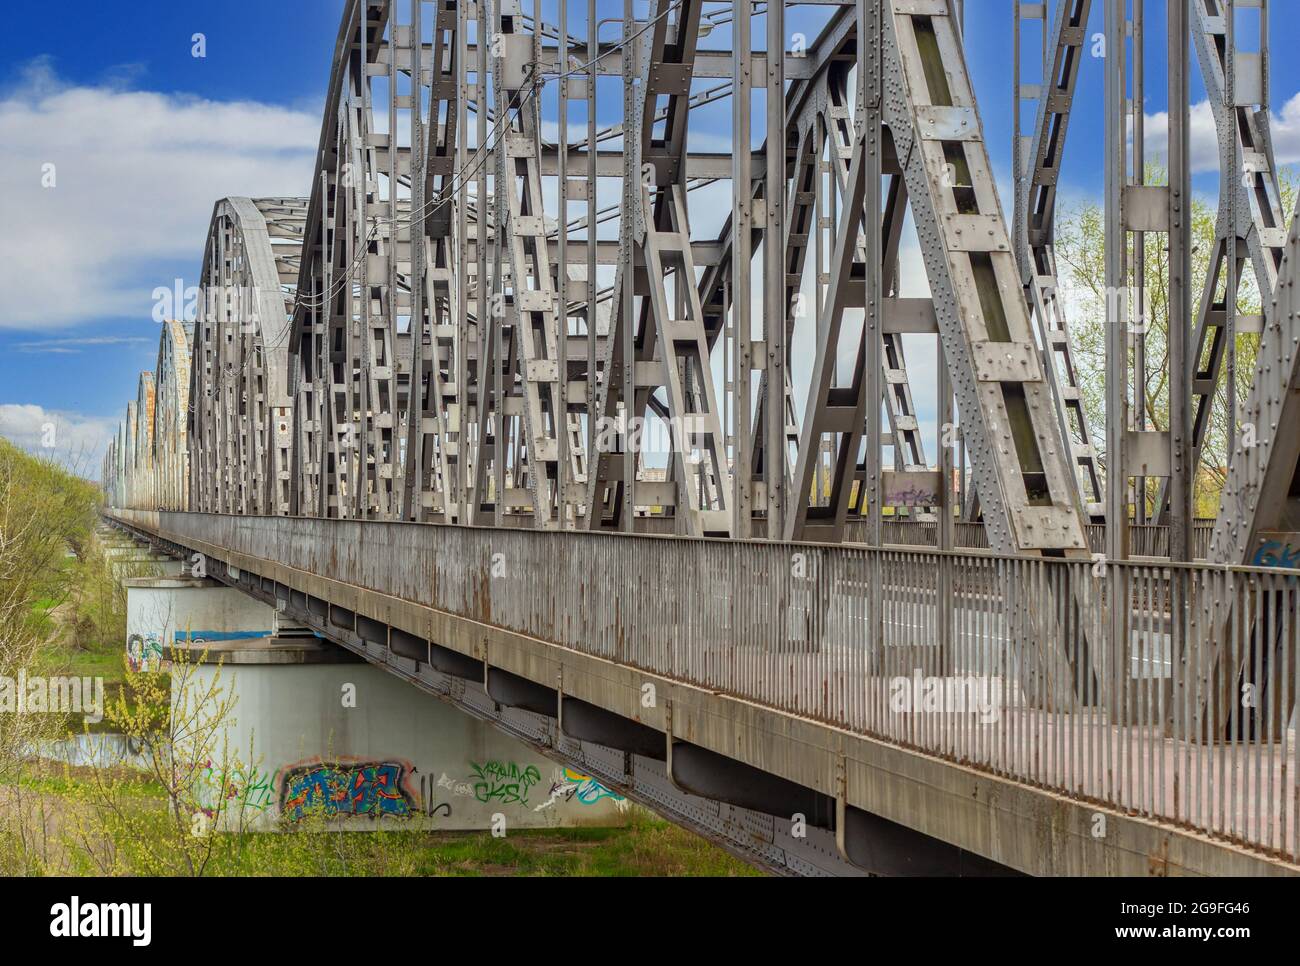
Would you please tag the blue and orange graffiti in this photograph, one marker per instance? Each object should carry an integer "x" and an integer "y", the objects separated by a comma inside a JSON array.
[{"x": 333, "y": 788}]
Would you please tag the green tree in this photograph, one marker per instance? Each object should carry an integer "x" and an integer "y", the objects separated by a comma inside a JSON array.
[
  {"x": 1081, "y": 254},
  {"x": 47, "y": 515}
]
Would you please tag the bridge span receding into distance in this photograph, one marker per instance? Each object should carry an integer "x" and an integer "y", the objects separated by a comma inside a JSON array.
[{"x": 509, "y": 405}]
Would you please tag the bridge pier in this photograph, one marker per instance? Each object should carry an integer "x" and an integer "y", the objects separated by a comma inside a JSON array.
[
  {"x": 132, "y": 558},
  {"x": 162, "y": 611},
  {"x": 315, "y": 728},
  {"x": 327, "y": 734}
]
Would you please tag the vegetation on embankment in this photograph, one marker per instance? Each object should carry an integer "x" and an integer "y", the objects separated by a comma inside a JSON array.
[
  {"x": 62, "y": 612},
  {"x": 71, "y": 838}
]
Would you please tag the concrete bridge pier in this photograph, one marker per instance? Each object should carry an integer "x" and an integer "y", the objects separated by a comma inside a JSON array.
[
  {"x": 129, "y": 558},
  {"x": 316, "y": 731},
  {"x": 162, "y": 611}
]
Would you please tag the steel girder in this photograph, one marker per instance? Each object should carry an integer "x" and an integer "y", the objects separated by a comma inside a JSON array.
[
  {"x": 143, "y": 472},
  {"x": 1250, "y": 221},
  {"x": 531, "y": 312},
  {"x": 660, "y": 346},
  {"x": 240, "y": 415},
  {"x": 900, "y": 410},
  {"x": 171, "y": 417},
  {"x": 412, "y": 398},
  {"x": 362, "y": 333},
  {"x": 1034, "y": 233},
  {"x": 145, "y": 464},
  {"x": 1018, "y": 457},
  {"x": 130, "y": 440},
  {"x": 1259, "y": 525}
]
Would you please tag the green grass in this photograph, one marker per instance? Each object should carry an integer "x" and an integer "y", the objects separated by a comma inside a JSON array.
[
  {"x": 108, "y": 663},
  {"x": 646, "y": 847},
  {"x": 46, "y": 777}
]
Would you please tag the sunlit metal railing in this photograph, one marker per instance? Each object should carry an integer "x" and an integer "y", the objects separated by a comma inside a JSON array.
[
  {"x": 1145, "y": 539},
  {"x": 1119, "y": 683}
]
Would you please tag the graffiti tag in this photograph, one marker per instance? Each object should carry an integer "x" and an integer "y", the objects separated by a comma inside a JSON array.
[
  {"x": 568, "y": 785},
  {"x": 240, "y": 788},
  {"x": 144, "y": 653},
  {"x": 506, "y": 782},
  {"x": 1275, "y": 553},
  {"x": 372, "y": 788}
]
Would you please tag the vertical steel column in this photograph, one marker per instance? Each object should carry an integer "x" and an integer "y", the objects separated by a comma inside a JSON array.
[
  {"x": 1232, "y": 263},
  {"x": 1138, "y": 113},
  {"x": 593, "y": 457},
  {"x": 1117, "y": 380},
  {"x": 408, "y": 493},
  {"x": 1034, "y": 234},
  {"x": 869, "y": 123},
  {"x": 1247, "y": 167},
  {"x": 456, "y": 508},
  {"x": 776, "y": 304},
  {"x": 742, "y": 253},
  {"x": 946, "y": 606},
  {"x": 563, "y": 437},
  {"x": 631, "y": 227},
  {"x": 1181, "y": 466},
  {"x": 497, "y": 408},
  {"x": 1117, "y": 529},
  {"x": 489, "y": 384}
]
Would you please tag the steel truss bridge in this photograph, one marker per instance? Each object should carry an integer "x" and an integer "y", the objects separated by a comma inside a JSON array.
[{"x": 415, "y": 406}]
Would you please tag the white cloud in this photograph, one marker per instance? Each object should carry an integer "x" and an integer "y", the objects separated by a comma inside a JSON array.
[
  {"x": 77, "y": 344},
  {"x": 1284, "y": 126},
  {"x": 74, "y": 439},
  {"x": 136, "y": 175}
]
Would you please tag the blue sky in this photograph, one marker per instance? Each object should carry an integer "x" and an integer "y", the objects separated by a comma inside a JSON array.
[{"x": 145, "y": 137}]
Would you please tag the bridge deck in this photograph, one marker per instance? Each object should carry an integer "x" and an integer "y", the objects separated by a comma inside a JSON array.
[{"x": 853, "y": 638}]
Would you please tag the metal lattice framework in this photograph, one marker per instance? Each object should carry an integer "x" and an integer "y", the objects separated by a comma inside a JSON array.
[
  {"x": 524, "y": 292},
  {"x": 558, "y": 259},
  {"x": 1037, "y": 174},
  {"x": 146, "y": 463},
  {"x": 171, "y": 416},
  {"x": 239, "y": 404}
]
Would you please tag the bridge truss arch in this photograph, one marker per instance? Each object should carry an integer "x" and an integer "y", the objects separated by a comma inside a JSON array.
[
  {"x": 238, "y": 405},
  {"x": 171, "y": 417},
  {"x": 378, "y": 383}
]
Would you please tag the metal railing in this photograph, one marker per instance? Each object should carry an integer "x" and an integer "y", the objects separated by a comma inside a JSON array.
[
  {"x": 1162, "y": 690},
  {"x": 1145, "y": 539}
]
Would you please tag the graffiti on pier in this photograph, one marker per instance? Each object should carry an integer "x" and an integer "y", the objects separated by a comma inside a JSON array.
[
  {"x": 429, "y": 804},
  {"x": 911, "y": 488},
  {"x": 568, "y": 785},
  {"x": 506, "y": 782},
  {"x": 333, "y": 788},
  {"x": 240, "y": 788},
  {"x": 455, "y": 787},
  {"x": 144, "y": 653}
]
